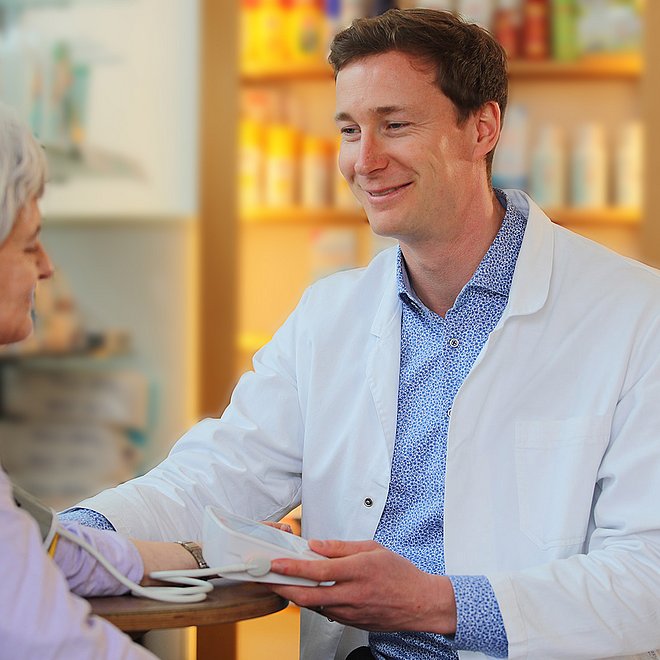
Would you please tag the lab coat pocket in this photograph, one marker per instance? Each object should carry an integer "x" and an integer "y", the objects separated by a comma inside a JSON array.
[{"x": 556, "y": 470}]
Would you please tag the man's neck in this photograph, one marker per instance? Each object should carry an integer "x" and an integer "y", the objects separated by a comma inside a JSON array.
[{"x": 439, "y": 269}]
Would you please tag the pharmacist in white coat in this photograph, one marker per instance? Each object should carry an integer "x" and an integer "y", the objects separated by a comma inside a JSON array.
[{"x": 482, "y": 401}]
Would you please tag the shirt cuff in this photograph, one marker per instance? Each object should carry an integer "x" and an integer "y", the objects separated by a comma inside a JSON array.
[
  {"x": 479, "y": 624},
  {"x": 86, "y": 517}
]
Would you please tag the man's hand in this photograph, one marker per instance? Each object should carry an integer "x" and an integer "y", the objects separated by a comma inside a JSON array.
[{"x": 375, "y": 589}]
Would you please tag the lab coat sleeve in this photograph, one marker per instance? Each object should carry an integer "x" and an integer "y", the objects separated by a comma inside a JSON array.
[
  {"x": 39, "y": 617},
  {"x": 249, "y": 460},
  {"x": 604, "y": 603}
]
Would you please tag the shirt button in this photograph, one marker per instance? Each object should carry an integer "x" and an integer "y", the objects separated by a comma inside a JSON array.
[
  {"x": 368, "y": 502},
  {"x": 453, "y": 342}
]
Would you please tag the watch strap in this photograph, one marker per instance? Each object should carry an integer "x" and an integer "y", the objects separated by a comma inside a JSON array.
[{"x": 196, "y": 551}]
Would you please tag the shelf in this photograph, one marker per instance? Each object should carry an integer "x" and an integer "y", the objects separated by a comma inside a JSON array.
[
  {"x": 31, "y": 4},
  {"x": 610, "y": 215},
  {"x": 612, "y": 66},
  {"x": 563, "y": 216},
  {"x": 627, "y": 66},
  {"x": 302, "y": 216},
  {"x": 117, "y": 220},
  {"x": 287, "y": 73}
]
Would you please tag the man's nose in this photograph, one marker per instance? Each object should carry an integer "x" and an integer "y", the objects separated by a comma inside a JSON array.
[{"x": 371, "y": 156}]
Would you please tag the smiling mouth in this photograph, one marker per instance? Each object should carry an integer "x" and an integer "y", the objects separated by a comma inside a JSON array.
[{"x": 386, "y": 191}]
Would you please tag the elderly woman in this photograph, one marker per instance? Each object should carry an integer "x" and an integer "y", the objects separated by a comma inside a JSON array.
[{"x": 39, "y": 616}]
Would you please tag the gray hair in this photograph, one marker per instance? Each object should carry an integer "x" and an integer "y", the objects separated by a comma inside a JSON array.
[{"x": 22, "y": 168}]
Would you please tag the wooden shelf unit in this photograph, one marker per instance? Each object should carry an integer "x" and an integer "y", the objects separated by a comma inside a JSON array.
[{"x": 221, "y": 221}]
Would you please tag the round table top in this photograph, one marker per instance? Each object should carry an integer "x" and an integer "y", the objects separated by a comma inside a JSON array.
[{"x": 227, "y": 603}]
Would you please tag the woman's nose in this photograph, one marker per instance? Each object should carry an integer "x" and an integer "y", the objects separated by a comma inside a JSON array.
[{"x": 46, "y": 268}]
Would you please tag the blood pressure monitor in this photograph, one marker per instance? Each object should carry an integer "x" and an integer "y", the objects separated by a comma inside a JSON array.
[{"x": 228, "y": 538}]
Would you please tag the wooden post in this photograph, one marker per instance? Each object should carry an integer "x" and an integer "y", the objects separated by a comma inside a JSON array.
[
  {"x": 218, "y": 236},
  {"x": 650, "y": 114}
]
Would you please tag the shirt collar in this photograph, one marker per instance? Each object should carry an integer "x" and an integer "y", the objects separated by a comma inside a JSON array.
[{"x": 495, "y": 272}]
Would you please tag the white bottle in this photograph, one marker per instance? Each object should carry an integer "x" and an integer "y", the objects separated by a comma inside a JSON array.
[
  {"x": 442, "y": 5},
  {"x": 628, "y": 166},
  {"x": 477, "y": 11},
  {"x": 510, "y": 169},
  {"x": 548, "y": 168},
  {"x": 251, "y": 164},
  {"x": 315, "y": 173},
  {"x": 281, "y": 166},
  {"x": 589, "y": 166}
]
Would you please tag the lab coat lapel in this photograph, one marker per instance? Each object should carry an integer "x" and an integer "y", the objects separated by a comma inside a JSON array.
[{"x": 382, "y": 367}]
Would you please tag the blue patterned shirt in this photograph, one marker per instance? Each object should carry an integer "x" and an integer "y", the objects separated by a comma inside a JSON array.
[
  {"x": 88, "y": 518},
  {"x": 436, "y": 356}
]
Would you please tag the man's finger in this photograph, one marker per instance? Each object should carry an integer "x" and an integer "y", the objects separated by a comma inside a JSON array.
[
  {"x": 310, "y": 597},
  {"x": 341, "y": 548},
  {"x": 317, "y": 570}
]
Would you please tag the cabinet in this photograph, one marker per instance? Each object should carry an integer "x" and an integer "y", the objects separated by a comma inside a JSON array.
[
  {"x": 71, "y": 424},
  {"x": 127, "y": 246}
]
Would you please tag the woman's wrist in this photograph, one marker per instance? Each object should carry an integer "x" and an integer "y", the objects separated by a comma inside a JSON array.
[{"x": 163, "y": 556}]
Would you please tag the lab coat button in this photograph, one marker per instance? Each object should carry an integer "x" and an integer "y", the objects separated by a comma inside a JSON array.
[
  {"x": 453, "y": 342},
  {"x": 368, "y": 501}
]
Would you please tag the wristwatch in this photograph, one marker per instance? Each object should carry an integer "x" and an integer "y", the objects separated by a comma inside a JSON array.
[{"x": 196, "y": 551}]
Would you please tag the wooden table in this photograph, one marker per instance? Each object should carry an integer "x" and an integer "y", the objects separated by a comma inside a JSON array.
[{"x": 227, "y": 603}]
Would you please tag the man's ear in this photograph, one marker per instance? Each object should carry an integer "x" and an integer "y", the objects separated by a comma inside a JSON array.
[{"x": 488, "y": 124}]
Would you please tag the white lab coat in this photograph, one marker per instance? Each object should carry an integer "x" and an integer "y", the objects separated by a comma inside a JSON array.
[{"x": 553, "y": 458}]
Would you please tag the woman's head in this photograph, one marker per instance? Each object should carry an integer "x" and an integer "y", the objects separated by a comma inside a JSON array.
[
  {"x": 22, "y": 168},
  {"x": 23, "y": 260}
]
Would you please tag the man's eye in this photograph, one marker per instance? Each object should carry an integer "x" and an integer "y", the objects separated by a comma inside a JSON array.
[
  {"x": 397, "y": 124},
  {"x": 350, "y": 131}
]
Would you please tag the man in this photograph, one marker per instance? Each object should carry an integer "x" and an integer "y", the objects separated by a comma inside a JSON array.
[{"x": 480, "y": 401}]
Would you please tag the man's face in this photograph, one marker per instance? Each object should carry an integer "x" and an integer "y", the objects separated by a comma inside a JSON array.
[
  {"x": 23, "y": 262},
  {"x": 402, "y": 152}
]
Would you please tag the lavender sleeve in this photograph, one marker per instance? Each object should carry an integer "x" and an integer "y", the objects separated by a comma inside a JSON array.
[
  {"x": 85, "y": 575},
  {"x": 39, "y": 616}
]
